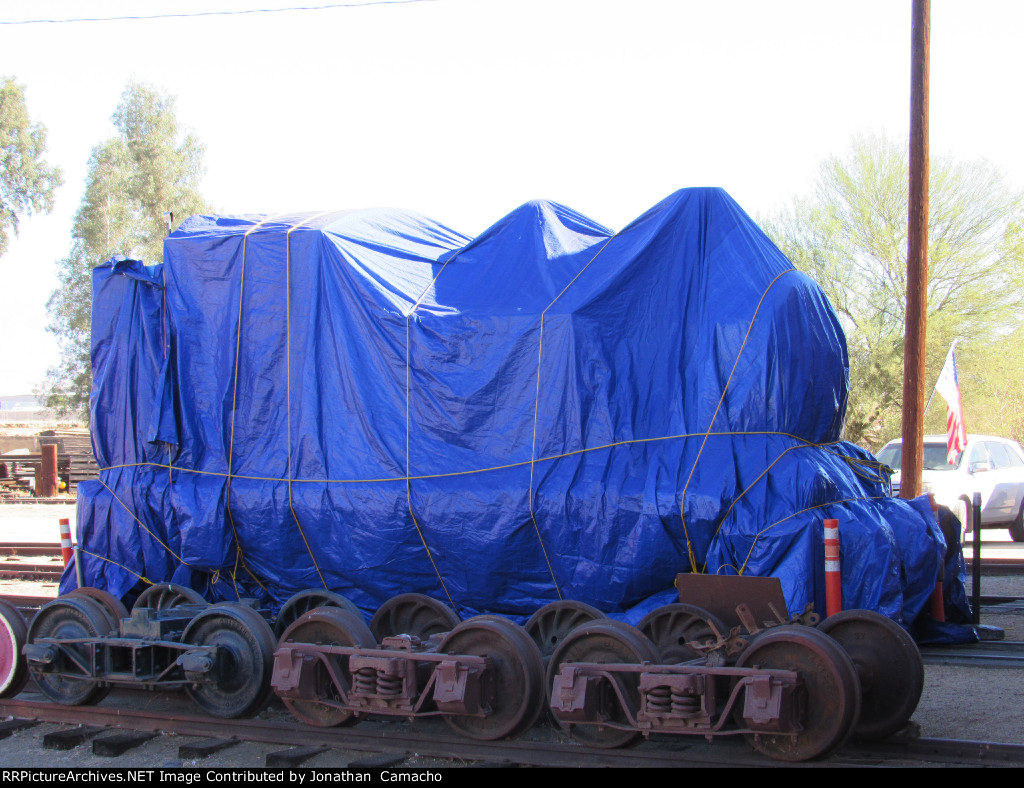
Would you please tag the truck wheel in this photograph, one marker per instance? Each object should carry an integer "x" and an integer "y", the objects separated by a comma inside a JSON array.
[
  {"x": 1017, "y": 526},
  {"x": 963, "y": 512}
]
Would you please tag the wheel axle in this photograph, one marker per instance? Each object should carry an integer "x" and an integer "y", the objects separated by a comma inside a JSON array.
[{"x": 794, "y": 691}]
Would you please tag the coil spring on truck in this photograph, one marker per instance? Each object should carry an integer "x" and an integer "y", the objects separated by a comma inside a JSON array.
[{"x": 794, "y": 691}]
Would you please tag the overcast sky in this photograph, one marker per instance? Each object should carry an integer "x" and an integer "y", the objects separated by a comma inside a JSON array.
[{"x": 464, "y": 109}]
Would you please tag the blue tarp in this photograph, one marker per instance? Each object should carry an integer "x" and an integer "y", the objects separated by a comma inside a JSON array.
[{"x": 370, "y": 402}]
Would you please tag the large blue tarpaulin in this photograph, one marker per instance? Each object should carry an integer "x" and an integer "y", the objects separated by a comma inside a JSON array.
[{"x": 372, "y": 403}]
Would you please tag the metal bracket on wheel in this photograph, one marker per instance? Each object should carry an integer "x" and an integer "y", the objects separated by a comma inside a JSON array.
[
  {"x": 574, "y": 696},
  {"x": 769, "y": 705},
  {"x": 40, "y": 654},
  {"x": 294, "y": 676},
  {"x": 457, "y": 688},
  {"x": 808, "y": 617},
  {"x": 198, "y": 663}
]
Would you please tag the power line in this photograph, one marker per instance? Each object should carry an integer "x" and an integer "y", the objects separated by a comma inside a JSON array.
[{"x": 327, "y": 7}]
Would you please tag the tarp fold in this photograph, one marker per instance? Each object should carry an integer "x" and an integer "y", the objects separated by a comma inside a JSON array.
[{"x": 371, "y": 402}]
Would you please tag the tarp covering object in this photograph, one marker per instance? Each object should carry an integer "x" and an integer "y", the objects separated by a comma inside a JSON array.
[{"x": 370, "y": 402}]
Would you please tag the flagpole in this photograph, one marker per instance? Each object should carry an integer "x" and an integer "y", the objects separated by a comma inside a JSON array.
[{"x": 932, "y": 395}]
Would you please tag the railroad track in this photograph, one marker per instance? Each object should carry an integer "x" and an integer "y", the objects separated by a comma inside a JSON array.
[
  {"x": 994, "y": 654},
  {"x": 33, "y": 549},
  {"x": 401, "y": 744},
  {"x": 28, "y": 605},
  {"x": 29, "y": 501},
  {"x": 541, "y": 746},
  {"x": 48, "y": 573},
  {"x": 1000, "y": 567},
  {"x": 31, "y": 561},
  {"x": 426, "y": 740}
]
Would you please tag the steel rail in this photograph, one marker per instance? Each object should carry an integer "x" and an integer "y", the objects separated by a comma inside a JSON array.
[
  {"x": 967, "y": 753},
  {"x": 987, "y": 654},
  {"x": 408, "y": 741},
  {"x": 17, "y": 571},
  {"x": 30, "y": 548},
  {"x": 29, "y": 501},
  {"x": 27, "y": 603},
  {"x": 405, "y": 739},
  {"x": 1000, "y": 568}
]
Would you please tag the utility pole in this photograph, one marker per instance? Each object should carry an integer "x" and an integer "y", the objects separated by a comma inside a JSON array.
[{"x": 917, "y": 256}]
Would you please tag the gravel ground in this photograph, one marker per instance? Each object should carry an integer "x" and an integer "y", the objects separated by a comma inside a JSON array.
[
  {"x": 985, "y": 704},
  {"x": 25, "y": 749}
]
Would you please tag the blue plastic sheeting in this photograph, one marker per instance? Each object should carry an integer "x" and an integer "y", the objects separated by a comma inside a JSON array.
[{"x": 373, "y": 403}]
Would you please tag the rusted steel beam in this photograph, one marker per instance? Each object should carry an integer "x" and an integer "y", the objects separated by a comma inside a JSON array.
[
  {"x": 917, "y": 256},
  {"x": 46, "y": 477},
  {"x": 50, "y": 549}
]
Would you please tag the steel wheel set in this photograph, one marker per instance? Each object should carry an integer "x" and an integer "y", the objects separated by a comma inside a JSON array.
[{"x": 795, "y": 691}]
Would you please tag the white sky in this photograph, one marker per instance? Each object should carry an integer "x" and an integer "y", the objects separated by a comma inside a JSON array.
[{"x": 464, "y": 109}]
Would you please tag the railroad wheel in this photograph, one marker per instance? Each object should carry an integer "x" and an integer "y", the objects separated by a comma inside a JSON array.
[
  {"x": 164, "y": 596},
  {"x": 240, "y": 681},
  {"x": 304, "y": 601},
  {"x": 13, "y": 637},
  {"x": 514, "y": 681},
  {"x": 111, "y": 605},
  {"x": 328, "y": 626},
  {"x": 412, "y": 614},
  {"x": 603, "y": 642},
  {"x": 831, "y": 692},
  {"x": 69, "y": 618},
  {"x": 671, "y": 627},
  {"x": 549, "y": 625},
  {"x": 888, "y": 665}
]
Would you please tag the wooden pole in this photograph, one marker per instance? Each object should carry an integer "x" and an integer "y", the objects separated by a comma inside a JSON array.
[{"x": 917, "y": 256}]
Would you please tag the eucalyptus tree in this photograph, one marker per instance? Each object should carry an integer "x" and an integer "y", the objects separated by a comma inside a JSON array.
[
  {"x": 27, "y": 182},
  {"x": 150, "y": 168}
]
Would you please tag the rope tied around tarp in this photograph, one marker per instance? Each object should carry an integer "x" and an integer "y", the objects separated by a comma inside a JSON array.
[
  {"x": 239, "y": 557},
  {"x": 288, "y": 365},
  {"x": 860, "y": 466}
]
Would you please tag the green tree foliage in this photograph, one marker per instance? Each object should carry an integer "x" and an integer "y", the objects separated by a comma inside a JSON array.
[
  {"x": 850, "y": 235},
  {"x": 151, "y": 167},
  {"x": 992, "y": 384},
  {"x": 27, "y": 182}
]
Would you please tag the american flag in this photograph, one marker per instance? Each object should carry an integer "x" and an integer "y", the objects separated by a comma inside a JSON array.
[{"x": 948, "y": 387}]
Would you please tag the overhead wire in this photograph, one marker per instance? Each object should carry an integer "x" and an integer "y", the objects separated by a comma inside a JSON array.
[{"x": 192, "y": 15}]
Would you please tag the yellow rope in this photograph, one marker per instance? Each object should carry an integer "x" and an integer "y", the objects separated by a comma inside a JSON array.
[
  {"x": 239, "y": 558},
  {"x": 408, "y": 429},
  {"x": 536, "y": 413},
  {"x": 142, "y": 525},
  {"x": 395, "y": 479},
  {"x": 165, "y": 327},
  {"x": 178, "y": 558},
  {"x": 122, "y": 566},
  {"x": 288, "y": 364},
  {"x": 856, "y": 464},
  {"x": 767, "y": 528},
  {"x": 725, "y": 390},
  {"x": 760, "y": 476}
]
